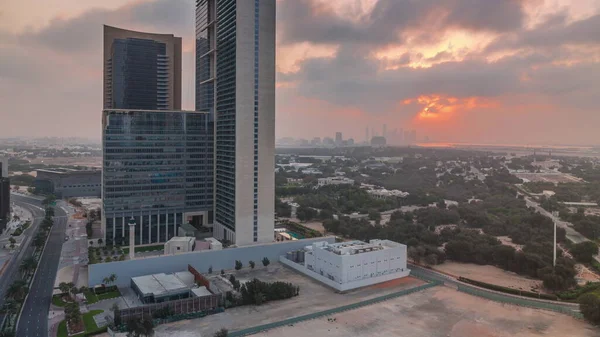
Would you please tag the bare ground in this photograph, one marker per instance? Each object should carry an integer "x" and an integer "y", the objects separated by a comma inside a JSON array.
[
  {"x": 490, "y": 274},
  {"x": 439, "y": 312}
]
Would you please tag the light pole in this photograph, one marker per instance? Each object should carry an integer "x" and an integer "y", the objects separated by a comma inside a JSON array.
[{"x": 554, "y": 217}]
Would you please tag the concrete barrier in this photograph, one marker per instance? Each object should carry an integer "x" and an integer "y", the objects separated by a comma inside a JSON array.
[{"x": 201, "y": 261}]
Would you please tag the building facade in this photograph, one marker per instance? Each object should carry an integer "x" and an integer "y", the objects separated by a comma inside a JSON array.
[
  {"x": 69, "y": 183},
  {"x": 4, "y": 194},
  {"x": 141, "y": 70},
  {"x": 350, "y": 265},
  {"x": 235, "y": 83},
  {"x": 157, "y": 169}
]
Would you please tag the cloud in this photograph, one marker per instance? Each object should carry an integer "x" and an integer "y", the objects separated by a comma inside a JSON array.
[
  {"x": 484, "y": 67},
  {"x": 305, "y": 20}
]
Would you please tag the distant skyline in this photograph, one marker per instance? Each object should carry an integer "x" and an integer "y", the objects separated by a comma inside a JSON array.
[{"x": 504, "y": 71}]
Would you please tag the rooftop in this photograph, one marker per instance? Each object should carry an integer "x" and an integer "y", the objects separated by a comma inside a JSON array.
[
  {"x": 356, "y": 247},
  {"x": 182, "y": 239},
  {"x": 162, "y": 284}
]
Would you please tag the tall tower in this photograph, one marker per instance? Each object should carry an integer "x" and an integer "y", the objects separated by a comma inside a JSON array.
[
  {"x": 367, "y": 139},
  {"x": 235, "y": 80},
  {"x": 384, "y": 131},
  {"x": 141, "y": 70}
]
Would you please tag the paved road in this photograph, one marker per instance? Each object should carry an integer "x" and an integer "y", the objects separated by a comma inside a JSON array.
[
  {"x": 25, "y": 250},
  {"x": 34, "y": 318},
  {"x": 572, "y": 234}
]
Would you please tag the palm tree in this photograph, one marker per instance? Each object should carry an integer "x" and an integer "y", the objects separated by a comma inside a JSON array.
[
  {"x": 113, "y": 278},
  {"x": 9, "y": 307},
  {"x": 106, "y": 280},
  {"x": 64, "y": 287},
  {"x": 39, "y": 240},
  {"x": 17, "y": 290},
  {"x": 28, "y": 265}
]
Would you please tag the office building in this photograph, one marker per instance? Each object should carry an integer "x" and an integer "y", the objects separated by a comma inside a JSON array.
[
  {"x": 69, "y": 183},
  {"x": 157, "y": 169},
  {"x": 235, "y": 84},
  {"x": 4, "y": 194},
  {"x": 367, "y": 138},
  {"x": 349, "y": 265},
  {"x": 384, "y": 131},
  {"x": 141, "y": 70}
]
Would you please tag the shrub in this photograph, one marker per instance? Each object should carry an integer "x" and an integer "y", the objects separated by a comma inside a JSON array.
[
  {"x": 508, "y": 290},
  {"x": 238, "y": 265}
]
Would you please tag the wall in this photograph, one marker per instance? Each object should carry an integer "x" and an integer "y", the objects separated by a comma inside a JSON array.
[
  {"x": 201, "y": 261},
  {"x": 343, "y": 286}
]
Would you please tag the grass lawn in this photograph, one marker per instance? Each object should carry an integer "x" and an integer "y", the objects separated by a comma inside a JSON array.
[
  {"x": 145, "y": 249},
  {"x": 109, "y": 294},
  {"x": 88, "y": 321},
  {"x": 58, "y": 301},
  {"x": 91, "y": 297}
]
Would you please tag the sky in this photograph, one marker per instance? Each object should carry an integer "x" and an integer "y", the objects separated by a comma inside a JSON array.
[{"x": 501, "y": 71}]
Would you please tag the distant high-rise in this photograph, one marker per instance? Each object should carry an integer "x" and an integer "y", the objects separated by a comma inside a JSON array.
[
  {"x": 384, "y": 131},
  {"x": 338, "y": 138},
  {"x": 367, "y": 138},
  {"x": 235, "y": 83},
  {"x": 141, "y": 70}
]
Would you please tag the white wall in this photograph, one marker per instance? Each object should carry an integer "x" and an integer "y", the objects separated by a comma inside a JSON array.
[{"x": 343, "y": 286}]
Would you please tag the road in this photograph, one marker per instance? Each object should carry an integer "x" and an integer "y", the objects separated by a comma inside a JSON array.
[
  {"x": 34, "y": 317},
  {"x": 573, "y": 235},
  {"x": 25, "y": 250}
]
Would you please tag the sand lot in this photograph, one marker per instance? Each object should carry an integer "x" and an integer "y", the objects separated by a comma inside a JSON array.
[
  {"x": 439, "y": 312},
  {"x": 490, "y": 274}
]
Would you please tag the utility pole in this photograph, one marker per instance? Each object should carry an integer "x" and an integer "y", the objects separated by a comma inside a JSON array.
[{"x": 555, "y": 215}]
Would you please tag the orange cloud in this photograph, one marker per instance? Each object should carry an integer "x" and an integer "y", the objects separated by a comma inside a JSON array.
[{"x": 437, "y": 108}]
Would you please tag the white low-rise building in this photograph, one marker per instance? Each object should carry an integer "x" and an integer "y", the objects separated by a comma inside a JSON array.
[
  {"x": 384, "y": 194},
  {"x": 180, "y": 244},
  {"x": 214, "y": 243},
  {"x": 335, "y": 181},
  {"x": 350, "y": 265}
]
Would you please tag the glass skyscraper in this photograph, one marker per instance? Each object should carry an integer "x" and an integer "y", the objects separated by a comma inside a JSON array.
[
  {"x": 141, "y": 70},
  {"x": 157, "y": 169},
  {"x": 235, "y": 83}
]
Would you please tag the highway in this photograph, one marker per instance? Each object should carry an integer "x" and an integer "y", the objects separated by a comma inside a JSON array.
[
  {"x": 25, "y": 250},
  {"x": 34, "y": 317}
]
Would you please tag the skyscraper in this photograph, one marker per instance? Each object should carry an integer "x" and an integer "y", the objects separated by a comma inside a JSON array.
[
  {"x": 141, "y": 70},
  {"x": 235, "y": 83},
  {"x": 384, "y": 131},
  {"x": 157, "y": 169}
]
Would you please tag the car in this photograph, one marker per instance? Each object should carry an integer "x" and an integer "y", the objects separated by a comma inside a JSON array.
[{"x": 66, "y": 238}]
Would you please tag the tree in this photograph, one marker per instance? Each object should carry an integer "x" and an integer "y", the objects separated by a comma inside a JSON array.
[
  {"x": 431, "y": 259},
  {"x": 589, "y": 305},
  {"x": 584, "y": 252},
  {"x": 252, "y": 264},
  {"x": 374, "y": 215},
  {"x": 238, "y": 265},
  {"x": 100, "y": 241},
  {"x": 113, "y": 278},
  {"x": 210, "y": 270},
  {"x": 64, "y": 287},
  {"x": 265, "y": 261},
  {"x": 9, "y": 307},
  {"x": 28, "y": 265},
  {"x": 222, "y": 333},
  {"x": 91, "y": 243},
  {"x": 140, "y": 327},
  {"x": 17, "y": 290},
  {"x": 12, "y": 242},
  {"x": 222, "y": 272}
]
